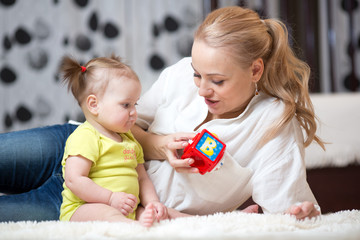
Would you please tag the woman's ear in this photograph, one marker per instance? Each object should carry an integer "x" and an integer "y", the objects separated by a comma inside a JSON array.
[
  {"x": 92, "y": 104},
  {"x": 257, "y": 68}
]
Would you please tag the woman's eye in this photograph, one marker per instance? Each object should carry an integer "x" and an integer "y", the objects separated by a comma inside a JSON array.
[
  {"x": 218, "y": 82},
  {"x": 197, "y": 75}
]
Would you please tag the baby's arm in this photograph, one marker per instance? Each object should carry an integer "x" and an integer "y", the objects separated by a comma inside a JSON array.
[
  {"x": 148, "y": 193},
  {"x": 77, "y": 169}
]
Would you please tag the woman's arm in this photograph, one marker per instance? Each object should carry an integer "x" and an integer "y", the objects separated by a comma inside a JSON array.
[
  {"x": 279, "y": 181},
  {"x": 163, "y": 147},
  {"x": 148, "y": 143}
]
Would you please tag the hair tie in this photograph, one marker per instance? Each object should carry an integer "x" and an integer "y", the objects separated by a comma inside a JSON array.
[{"x": 83, "y": 69}]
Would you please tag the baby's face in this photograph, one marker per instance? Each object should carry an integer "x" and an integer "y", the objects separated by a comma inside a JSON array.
[{"x": 117, "y": 106}]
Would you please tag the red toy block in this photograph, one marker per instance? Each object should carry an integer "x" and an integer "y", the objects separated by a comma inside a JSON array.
[{"x": 207, "y": 151}]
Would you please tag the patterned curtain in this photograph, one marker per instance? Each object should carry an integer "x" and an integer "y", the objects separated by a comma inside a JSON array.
[{"x": 148, "y": 34}]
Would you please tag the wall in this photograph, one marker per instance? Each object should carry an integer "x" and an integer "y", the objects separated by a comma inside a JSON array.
[
  {"x": 36, "y": 34},
  {"x": 340, "y": 45},
  {"x": 149, "y": 35}
]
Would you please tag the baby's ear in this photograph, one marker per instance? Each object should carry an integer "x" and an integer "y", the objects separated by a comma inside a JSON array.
[{"x": 92, "y": 104}]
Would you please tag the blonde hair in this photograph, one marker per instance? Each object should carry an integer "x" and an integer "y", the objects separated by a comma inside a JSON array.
[
  {"x": 246, "y": 38},
  {"x": 91, "y": 78}
]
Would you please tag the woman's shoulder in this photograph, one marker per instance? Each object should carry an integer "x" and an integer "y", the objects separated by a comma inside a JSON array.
[
  {"x": 183, "y": 66},
  {"x": 178, "y": 80},
  {"x": 271, "y": 113},
  {"x": 186, "y": 61}
]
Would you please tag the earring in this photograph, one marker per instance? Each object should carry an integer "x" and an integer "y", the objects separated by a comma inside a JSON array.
[{"x": 256, "y": 90}]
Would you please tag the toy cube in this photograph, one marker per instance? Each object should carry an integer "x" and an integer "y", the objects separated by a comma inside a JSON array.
[{"x": 207, "y": 151}]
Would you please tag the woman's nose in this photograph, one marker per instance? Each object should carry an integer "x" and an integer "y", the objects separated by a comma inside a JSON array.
[{"x": 204, "y": 89}]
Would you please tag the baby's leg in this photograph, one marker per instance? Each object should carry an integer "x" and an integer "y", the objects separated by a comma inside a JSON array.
[
  {"x": 147, "y": 215},
  {"x": 98, "y": 212}
]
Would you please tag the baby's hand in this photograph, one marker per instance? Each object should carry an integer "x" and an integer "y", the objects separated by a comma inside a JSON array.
[
  {"x": 161, "y": 211},
  {"x": 124, "y": 202}
]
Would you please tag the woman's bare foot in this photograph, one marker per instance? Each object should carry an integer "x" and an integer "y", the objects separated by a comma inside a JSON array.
[{"x": 148, "y": 216}]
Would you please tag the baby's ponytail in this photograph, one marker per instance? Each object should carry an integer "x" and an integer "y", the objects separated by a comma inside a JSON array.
[{"x": 73, "y": 76}]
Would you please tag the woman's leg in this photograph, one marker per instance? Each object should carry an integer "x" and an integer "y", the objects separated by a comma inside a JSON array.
[
  {"x": 30, "y": 164},
  {"x": 40, "y": 204},
  {"x": 177, "y": 214}
]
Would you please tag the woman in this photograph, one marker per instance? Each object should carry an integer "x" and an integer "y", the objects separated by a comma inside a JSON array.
[{"x": 249, "y": 89}]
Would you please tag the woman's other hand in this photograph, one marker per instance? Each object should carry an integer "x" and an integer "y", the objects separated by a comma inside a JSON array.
[
  {"x": 170, "y": 146},
  {"x": 303, "y": 210},
  {"x": 165, "y": 147}
]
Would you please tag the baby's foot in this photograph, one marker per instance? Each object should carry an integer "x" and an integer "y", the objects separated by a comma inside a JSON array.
[
  {"x": 148, "y": 216},
  {"x": 251, "y": 209}
]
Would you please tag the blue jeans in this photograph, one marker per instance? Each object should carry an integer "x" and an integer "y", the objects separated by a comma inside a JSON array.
[{"x": 30, "y": 171}]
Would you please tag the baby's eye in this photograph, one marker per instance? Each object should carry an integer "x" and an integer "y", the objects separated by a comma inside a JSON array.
[{"x": 126, "y": 105}]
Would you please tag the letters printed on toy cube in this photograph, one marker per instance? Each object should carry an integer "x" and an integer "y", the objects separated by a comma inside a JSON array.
[{"x": 209, "y": 146}]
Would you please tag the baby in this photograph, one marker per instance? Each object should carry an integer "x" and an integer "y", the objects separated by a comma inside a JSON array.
[{"x": 105, "y": 178}]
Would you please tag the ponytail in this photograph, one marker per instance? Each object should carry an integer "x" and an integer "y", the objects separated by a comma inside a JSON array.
[
  {"x": 84, "y": 80},
  {"x": 286, "y": 77},
  {"x": 73, "y": 76}
]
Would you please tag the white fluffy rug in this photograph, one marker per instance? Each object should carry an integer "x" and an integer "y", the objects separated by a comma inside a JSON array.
[{"x": 234, "y": 225}]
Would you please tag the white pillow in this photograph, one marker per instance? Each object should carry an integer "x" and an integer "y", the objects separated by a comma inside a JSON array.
[{"x": 339, "y": 116}]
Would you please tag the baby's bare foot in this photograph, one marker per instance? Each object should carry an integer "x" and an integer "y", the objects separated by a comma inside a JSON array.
[
  {"x": 251, "y": 209},
  {"x": 148, "y": 216}
]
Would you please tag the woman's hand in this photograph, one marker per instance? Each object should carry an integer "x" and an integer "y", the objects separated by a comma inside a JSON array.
[
  {"x": 165, "y": 147},
  {"x": 170, "y": 144},
  {"x": 303, "y": 210}
]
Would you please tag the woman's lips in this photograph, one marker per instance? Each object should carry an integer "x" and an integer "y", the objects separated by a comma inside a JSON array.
[{"x": 210, "y": 102}]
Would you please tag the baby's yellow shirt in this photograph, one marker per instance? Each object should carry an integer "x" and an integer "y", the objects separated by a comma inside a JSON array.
[{"x": 113, "y": 166}]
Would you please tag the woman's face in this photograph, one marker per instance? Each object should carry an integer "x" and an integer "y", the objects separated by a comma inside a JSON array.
[{"x": 226, "y": 87}]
